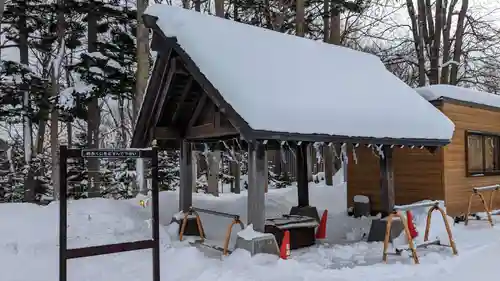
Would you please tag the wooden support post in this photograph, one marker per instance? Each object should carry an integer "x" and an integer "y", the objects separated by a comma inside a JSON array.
[
  {"x": 387, "y": 180},
  {"x": 256, "y": 185},
  {"x": 309, "y": 162},
  {"x": 328, "y": 160},
  {"x": 236, "y": 173},
  {"x": 194, "y": 162},
  {"x": 266, "y": 170},
  {"x": 186, "y": 177},
  {"x": 302, "y": 175}
]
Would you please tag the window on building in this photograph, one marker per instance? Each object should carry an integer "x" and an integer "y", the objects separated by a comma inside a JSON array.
[{"x": 483, "y": 154}]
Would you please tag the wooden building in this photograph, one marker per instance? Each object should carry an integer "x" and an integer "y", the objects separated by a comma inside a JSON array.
[
  {"x": 471, "y": 160},
  {"x": 218, "y": 80}
]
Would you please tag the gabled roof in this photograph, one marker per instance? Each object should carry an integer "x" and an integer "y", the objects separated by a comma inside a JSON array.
[
  {"x": 459, "y": 94},
  {"x": 277, "y": 86}
]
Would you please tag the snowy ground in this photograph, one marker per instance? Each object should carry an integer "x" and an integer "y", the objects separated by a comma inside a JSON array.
[{"x": 28, "y": 244}]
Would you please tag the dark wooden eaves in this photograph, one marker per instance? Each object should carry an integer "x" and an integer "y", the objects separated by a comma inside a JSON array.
[{"x": 161, "y": 41}]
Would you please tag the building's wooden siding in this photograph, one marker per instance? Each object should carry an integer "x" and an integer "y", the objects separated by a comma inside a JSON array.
[
  {"x": 458, "y": 185},
  {"x": 418, "y": 175},
  {"x": 363, "y": 178}
]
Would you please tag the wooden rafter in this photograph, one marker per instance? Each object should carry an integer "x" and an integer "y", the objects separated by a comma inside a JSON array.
[
  {"x": 163, "y": 96},
  {"x": 182, "y": 101},
  {"x": 197, "y": 111},
  {"x": 164, "y": 77},
  {"x": 209, "y": 131},
  {"x": 166, "y": 133}
]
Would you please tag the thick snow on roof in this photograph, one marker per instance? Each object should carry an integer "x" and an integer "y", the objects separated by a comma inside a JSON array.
[
  {"x": 284, "y": 83},
  {"x": 436, "y": 92}
]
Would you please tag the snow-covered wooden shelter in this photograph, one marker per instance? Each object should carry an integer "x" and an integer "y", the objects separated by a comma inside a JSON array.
[
  {"x": 472, "y": 159},
  {"x": 216, "y": 79}
]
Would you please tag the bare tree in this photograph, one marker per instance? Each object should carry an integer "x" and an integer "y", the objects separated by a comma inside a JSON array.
[
  {"x": 54, "y": 116},
  {"x": 2, "y": 8},
  {"x": 94, "y": 116}
]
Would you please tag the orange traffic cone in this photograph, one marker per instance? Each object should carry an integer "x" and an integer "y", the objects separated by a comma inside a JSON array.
[
  {"x": 321, "y": 232},
  {"x": 285, "y": 246},
  {"x": 411, "y": 225}
]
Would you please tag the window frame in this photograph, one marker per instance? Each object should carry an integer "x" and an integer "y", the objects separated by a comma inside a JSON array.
[{"x": 496, "y": 156}]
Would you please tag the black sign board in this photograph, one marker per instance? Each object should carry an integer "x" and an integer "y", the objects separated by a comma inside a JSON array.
[{"x": 111, "y": 153}]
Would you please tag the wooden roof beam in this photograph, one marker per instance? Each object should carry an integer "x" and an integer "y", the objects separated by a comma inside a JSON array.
[
  {"x": 160, "y": 100},
  {"x": 197, "y": 111},
  {"x": 209, "y": 130},
  {"x": 182, "y": 101},
  {"x": 166, "y": 133}
]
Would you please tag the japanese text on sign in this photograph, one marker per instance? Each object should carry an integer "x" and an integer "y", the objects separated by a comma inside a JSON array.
[{"x": 111, "y": 153}]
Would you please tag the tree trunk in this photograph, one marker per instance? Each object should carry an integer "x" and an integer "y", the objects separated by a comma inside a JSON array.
[
  {"x": 436, "y": 42},
  {"x": 123, "y": 126},
  {"x": 459, "y": 35},
  {"x": 300, "y": 18},
  {"x": 326, "y": 21},
  {"x": 2, "y": 8},
  {"x": 445, "y": 69},
  {"x": 69, "y": 125},
  {"x": 54, "y": 115},
  {"x": 422, "y": 39},
  {"x": 334, "y": 36},
  {"x": 219, "y": 8},
  {"x": 142, "y": 74},
  {"x": 29, "y": 189},
  {"x": 331, "y": 35},
  {"x": 448, "y": 16},
  {"x": 93, "y": 117},
  {"x": 417, "y": 31}
]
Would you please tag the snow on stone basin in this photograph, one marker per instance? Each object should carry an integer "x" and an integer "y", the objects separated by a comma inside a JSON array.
[
  {"x": 250, "y": 234},
  {"x": 28, "y": 247}
]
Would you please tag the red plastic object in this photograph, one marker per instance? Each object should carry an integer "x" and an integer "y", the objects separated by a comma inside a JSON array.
[
  {"x": 285, "y": 246},
  {"x": 411, "y": 225},
  {"x": 321, "y": 232}
]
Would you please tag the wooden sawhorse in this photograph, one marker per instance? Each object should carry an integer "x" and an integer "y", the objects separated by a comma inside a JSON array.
[{"x": 477, "y": 192}]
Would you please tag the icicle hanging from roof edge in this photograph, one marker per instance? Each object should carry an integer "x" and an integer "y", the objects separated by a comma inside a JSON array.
[
  {"x": 343, "y": 152},
  {"x": 354, "y": 156},
  {"x": 334, "y": 148},
  {"x": 380, "y": 151},
  {"x": 373, "y": 148},
  {"x": 291, "y": 150},
  {"x": 282, "y": 152},
  {"x": 319, "y": 156},
  {"x": 238, "y": 143}
]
